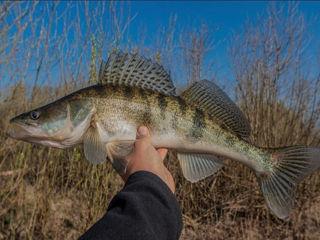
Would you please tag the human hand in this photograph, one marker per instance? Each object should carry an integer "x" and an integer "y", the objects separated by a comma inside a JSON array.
[{"x": 145, "y": 157}]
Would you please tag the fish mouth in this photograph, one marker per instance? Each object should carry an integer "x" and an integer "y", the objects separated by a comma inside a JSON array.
[
  {"x": 33, "y": 134},
  {"x": 18, "y": 130},
  {"x": 25, "y": 132},
  {"x": 14, "y": 119}
]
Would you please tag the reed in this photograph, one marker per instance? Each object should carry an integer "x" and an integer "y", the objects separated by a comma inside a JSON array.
[{"x": 48, "y": 193}]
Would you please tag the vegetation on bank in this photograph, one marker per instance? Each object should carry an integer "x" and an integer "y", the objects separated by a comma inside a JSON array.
[{"x": 48, "y": 193}]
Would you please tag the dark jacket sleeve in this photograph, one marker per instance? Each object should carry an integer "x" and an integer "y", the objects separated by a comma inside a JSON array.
[{"x": 144, "y": 209}]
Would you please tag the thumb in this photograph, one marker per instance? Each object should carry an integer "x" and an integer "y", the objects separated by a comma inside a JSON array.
[{"x": 143, "y": 132}]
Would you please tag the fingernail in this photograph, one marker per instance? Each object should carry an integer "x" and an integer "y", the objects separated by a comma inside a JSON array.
[{"x": 142, "y": 131}]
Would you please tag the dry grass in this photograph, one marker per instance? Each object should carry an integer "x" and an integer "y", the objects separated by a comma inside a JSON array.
[
  {"x": 53, "y": 194},
  {"x": 47, "y": 193}
]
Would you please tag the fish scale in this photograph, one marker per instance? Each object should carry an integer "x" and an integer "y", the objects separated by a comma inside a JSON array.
[
  {"x": 200, "y": 124},
  {"x": 194, "y": 126}
]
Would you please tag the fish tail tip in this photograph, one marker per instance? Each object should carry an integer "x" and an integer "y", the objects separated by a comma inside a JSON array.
[{"x": 290, "y": 166}]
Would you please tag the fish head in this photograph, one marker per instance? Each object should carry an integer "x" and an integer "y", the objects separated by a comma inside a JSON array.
[{"x": 57, "y": 124}]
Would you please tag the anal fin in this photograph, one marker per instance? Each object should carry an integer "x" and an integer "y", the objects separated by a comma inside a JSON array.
[{"x": 196, "y": 167}]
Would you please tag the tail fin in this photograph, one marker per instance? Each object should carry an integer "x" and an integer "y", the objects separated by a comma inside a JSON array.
[{"x": 290, "y": 166}]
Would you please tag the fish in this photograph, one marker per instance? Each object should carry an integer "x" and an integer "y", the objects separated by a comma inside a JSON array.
[{"x": 201, "y": 124}]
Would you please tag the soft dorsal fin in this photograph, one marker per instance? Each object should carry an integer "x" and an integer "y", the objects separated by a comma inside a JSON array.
[
  {"x": 209, "y": 97},
  {"x": 124, "y": 69}
]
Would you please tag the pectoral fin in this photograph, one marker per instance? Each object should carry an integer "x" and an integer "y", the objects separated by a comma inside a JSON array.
[
  {"x": 117, "y": 152},
  {"x": 98, "y": 147},
  {"x": 196, "y": 167},
  {"x": 94, "y": 148}
]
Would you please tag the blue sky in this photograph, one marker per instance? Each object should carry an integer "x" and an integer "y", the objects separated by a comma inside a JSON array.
[{"x": 226, "y": 16}]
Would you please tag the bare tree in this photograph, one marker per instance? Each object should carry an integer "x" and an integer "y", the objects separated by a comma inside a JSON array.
[
  {"x": 273, "y": 87},
  {"x": 196, "y": 44}
]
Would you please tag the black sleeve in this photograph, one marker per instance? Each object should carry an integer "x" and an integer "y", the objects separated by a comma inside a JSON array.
[{"x": 144, "y": 209}]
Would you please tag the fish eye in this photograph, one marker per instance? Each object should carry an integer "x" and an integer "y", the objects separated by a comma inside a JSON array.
[{"x": 34, "y": 115}]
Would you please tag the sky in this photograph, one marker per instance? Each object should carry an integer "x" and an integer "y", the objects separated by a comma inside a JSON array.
[
  {"x": 224, "y": 16},
  {"x": 227, "y": 17}
]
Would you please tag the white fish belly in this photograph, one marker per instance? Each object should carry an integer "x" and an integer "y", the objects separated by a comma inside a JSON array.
[{"x": 181, "y": 145}]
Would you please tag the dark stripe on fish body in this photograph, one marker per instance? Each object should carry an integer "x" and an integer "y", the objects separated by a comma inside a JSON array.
[
  {"x": 198, "y": 125},
  {"x": 174, "y": 121},
  {"x": 113, "y": 87},
  {"x": 142, "y": 93},
  {"x": 128, "y": 92},
  {"x": 162, "y": 103},
  {"x": 182, "y": 106},
  {"x": 146, "y": 118},
  {"x": 101, "y": 92}
]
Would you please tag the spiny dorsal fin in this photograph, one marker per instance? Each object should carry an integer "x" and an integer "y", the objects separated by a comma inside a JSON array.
[
  {"x": 209, "y": 97},
  {"x": 124, "y": 69}
]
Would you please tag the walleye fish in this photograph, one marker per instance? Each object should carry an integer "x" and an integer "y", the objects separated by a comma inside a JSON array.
[{"x": 200, "y": 124}]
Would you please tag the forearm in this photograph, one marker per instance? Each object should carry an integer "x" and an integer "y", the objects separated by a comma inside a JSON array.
[{"x": 144, "y": 209}]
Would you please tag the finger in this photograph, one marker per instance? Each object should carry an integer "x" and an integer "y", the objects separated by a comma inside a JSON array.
[
  {"x": 143, "y": 136},
  {"x": 143, "y": 132},
  {"x": 162, "y": 152}
]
